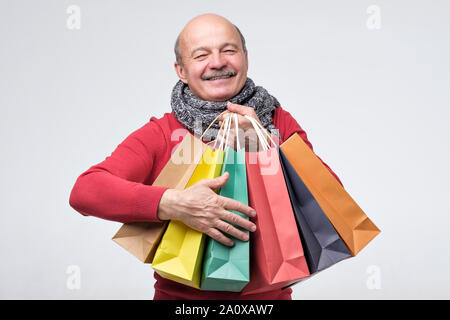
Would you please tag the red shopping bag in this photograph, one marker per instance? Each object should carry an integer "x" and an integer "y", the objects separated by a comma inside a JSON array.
[{"x": 276, "y": 254}]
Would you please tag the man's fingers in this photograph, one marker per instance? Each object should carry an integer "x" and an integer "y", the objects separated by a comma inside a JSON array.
[
  {"x": 228, "y": 228},
  {"x": 217, "y": 182},
  {"x": 237, "y": 220},
  {"x": 223, "y": 115},
  {"x": 235, "y": 205},
  {"x": 218, "y": 236},
  {"x": 241, "y": 110},
  {"x": 232, "y": 107}
]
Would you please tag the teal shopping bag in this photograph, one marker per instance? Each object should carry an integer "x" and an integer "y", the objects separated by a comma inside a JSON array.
[{"x": 227, "y": 268}]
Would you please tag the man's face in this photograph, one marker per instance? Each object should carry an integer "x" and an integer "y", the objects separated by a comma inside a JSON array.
[{"x": 214, "y": 63}]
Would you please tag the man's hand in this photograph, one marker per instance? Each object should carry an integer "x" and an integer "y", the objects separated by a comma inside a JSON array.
[
  {"x": 200, "y": 208},
  {"x": 248, "y": 136}
]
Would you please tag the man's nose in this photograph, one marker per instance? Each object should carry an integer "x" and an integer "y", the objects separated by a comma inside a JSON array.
[{"x": 217, "y": 61}]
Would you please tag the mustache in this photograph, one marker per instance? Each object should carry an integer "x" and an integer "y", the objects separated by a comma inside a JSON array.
[{"x": 222, "y": 73}]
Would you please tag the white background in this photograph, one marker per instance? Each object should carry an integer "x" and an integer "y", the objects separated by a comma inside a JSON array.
[{"x": 374, "y": 102}]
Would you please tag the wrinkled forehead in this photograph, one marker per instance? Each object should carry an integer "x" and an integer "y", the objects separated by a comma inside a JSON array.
[{"x": 208, "y": 35}]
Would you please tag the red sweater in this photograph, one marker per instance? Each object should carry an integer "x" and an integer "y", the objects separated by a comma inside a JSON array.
[{"x": 119, "y": 189}]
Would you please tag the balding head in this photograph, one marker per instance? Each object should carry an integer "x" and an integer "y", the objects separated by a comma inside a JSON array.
[
  {"x": 211, "y": 57},
  {"x": 204, "y": 18}
]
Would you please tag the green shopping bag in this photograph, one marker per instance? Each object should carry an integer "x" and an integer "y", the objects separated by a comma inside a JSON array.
[{"x": 227, "y": 268}]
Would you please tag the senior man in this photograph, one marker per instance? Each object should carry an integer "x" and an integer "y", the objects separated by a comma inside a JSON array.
[{"x": 212, "y": 63}]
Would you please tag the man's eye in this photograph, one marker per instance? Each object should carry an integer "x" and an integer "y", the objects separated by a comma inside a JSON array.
[
  {"x": 200, "y": 56},
  {"x": 230, "y": 51}
]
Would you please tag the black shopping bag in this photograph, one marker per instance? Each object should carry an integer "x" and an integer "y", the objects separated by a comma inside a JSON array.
[{"x": 322, "y": 245}]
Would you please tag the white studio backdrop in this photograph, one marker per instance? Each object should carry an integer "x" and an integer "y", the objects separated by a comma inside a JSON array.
[{"x": 367, "y": 80}]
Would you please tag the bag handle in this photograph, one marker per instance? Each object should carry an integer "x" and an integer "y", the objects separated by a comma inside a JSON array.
[
  {"x": 266, "y": 132},
  {"x": 227, "y": 127},
  {"x": 215, "y": 119},
  {"x": 261, "y": 131},
  {"x": 226, "y": 133},
  {"x": 236, "y": 122},
  {"x": 220, "y": 129},
  {"x": 229, "y": 118},
  {"x": 261, "y": 139},
  {"x": 227, "y": 124}
]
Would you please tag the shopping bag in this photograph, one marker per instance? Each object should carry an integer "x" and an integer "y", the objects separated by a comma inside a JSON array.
[
  {"x": 349, "y": 220},
  {"x": 276, "y": 254},
  {"x": 180, "y": 252},
  {"x": 321, "y": 243},
  {"x": 142, "y": 238},
  {"x": 227, "y": 268}
]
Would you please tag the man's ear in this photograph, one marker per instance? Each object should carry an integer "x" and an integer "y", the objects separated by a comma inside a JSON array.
[
  {"x": 246, "y": 59},
  {"x": 181, "y": 72}
]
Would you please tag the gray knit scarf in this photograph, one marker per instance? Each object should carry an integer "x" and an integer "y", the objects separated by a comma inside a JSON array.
[{"x": 196, "y": 114}]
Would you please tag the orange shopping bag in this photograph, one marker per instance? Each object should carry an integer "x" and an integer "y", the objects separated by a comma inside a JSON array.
[{"x": 352, "y": 224}]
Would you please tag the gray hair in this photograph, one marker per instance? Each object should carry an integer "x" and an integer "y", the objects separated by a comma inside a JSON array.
[{"x": 178, "y": 52}]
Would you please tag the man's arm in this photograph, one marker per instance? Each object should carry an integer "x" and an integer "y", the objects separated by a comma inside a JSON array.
[{"x": 114, "y": 189}]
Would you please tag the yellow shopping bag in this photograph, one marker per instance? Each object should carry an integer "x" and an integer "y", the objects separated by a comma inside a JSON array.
[
  {"x": 180, "y": 252},
  {"x": 142, "y": 238}
]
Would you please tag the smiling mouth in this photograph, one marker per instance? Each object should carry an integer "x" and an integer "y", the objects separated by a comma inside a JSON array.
[{"x": 221, "y": 77}]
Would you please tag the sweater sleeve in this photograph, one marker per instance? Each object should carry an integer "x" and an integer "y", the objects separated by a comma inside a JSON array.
[
  {"x": 287, "y": 126},
  {"x": 114, "y": 189}
]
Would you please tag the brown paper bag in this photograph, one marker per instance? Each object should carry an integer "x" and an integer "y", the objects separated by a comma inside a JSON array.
[{"x": 142, "y": 238}]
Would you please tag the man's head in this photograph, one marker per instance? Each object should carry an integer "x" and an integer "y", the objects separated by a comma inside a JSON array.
[{"x": 211, "y": 58}]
